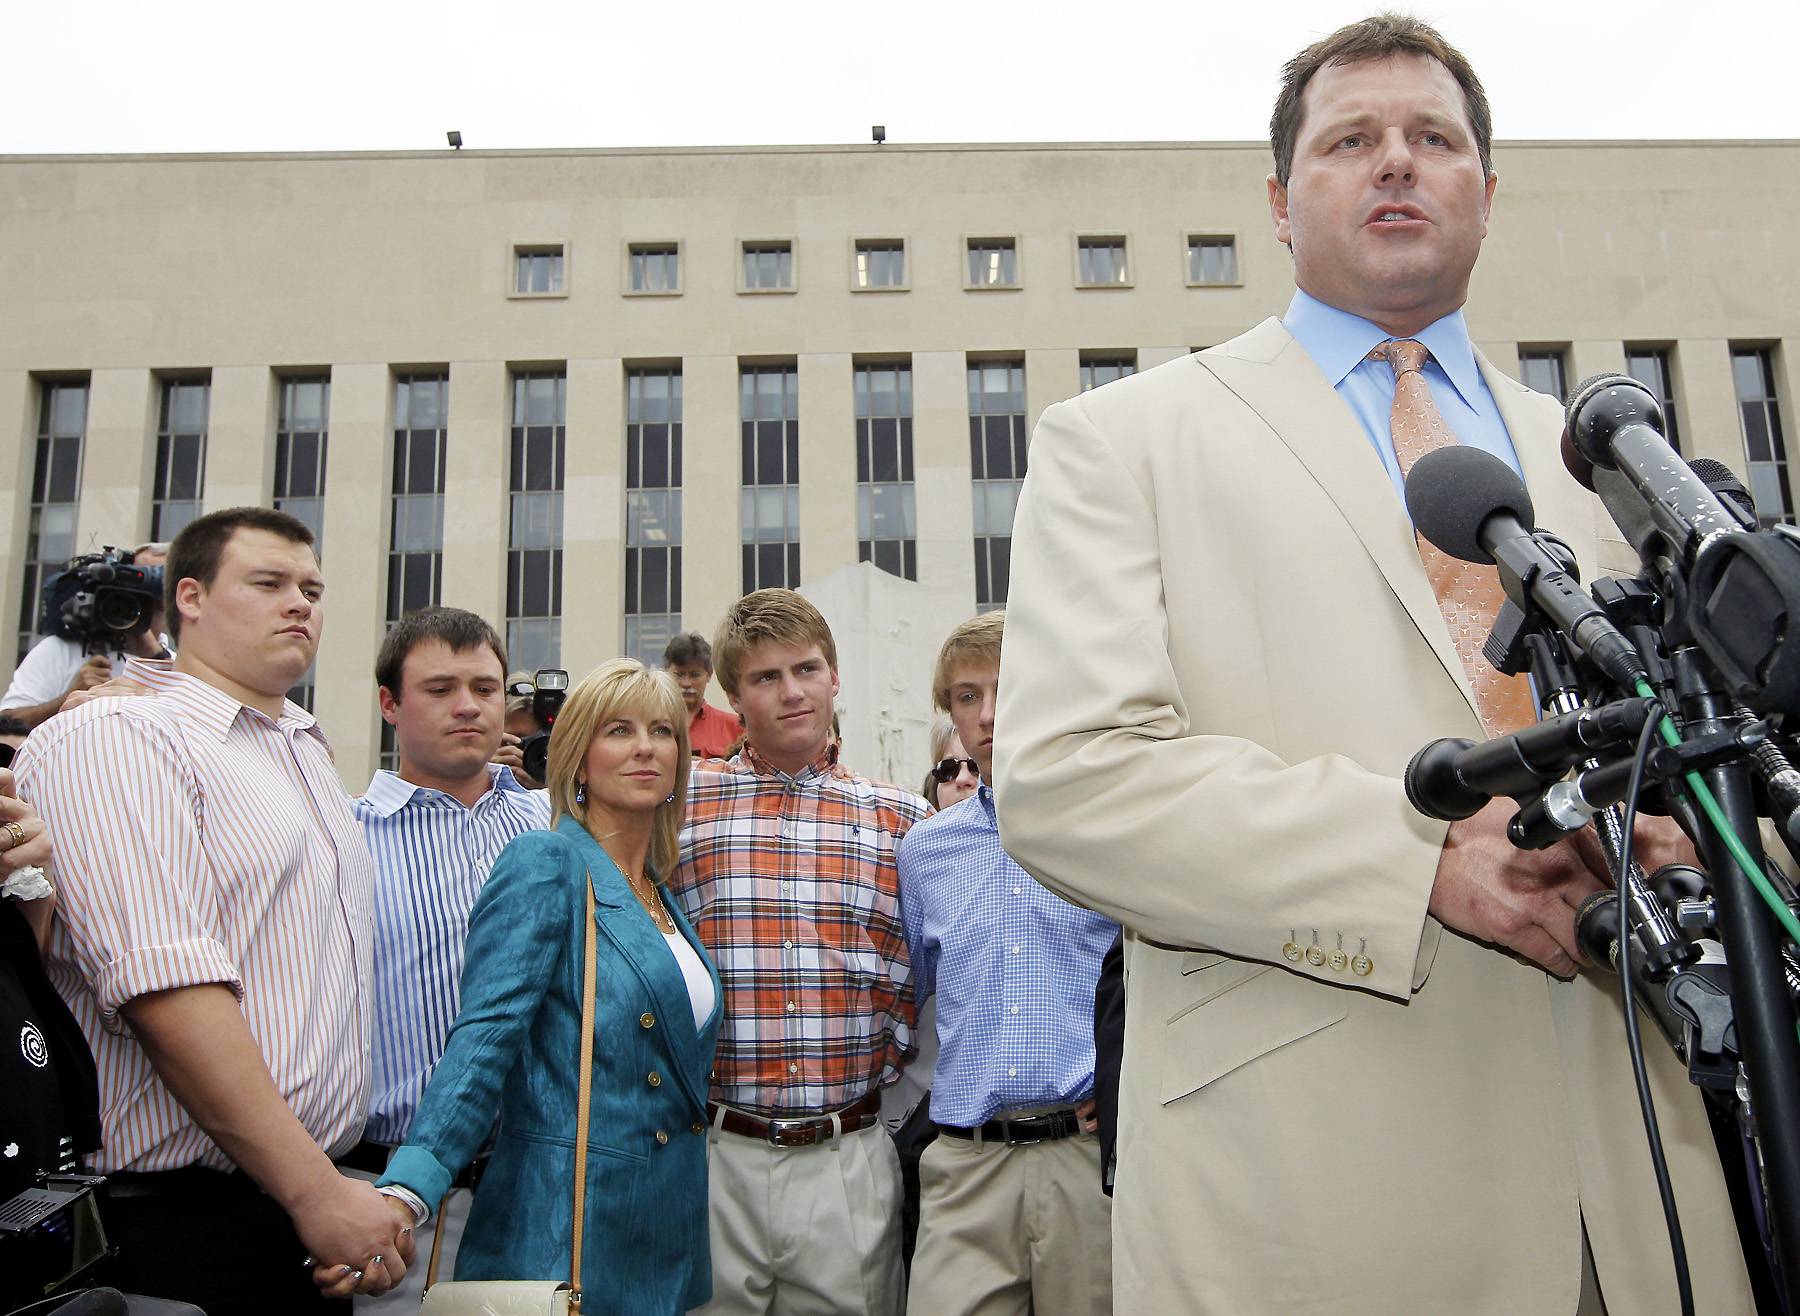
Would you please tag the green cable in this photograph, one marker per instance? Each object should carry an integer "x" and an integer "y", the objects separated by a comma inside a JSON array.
[{"x": 1716, "y": 816}]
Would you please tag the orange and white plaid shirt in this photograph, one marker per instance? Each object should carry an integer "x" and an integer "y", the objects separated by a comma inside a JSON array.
[{"x": 791, "y": 883}]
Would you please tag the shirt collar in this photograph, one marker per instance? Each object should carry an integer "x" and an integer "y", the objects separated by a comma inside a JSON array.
[
  {"x": 1338, "y": 342},
  {"x": 389, "y": 792},
  {"x": 825, "y": 764},
  {"x": 210, "y": 706}
]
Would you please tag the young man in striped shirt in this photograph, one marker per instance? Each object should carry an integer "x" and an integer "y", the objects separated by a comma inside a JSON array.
[
  {"x": 213, "y": 940},
  {"x": 435, "y": 827},
  {"x": 787, "y": 871}
]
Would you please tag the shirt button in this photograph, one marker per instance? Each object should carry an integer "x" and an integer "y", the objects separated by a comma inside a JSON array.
[
  {"x": 655, "y": 1079},
  {"x": 646, "y": 1020},
  {"x": 662, "y": 1138},
  {"x": 1015, "y": 1009},
  {"x": 793, "y": 1069},
  {"x": 1017, "y": 889},
  {"x": 1015, "y": 950},
  {"x": 1012, "y": 1073},
  {"x": 792, "y": 1007},
  {"x": 787, "y": 945}
]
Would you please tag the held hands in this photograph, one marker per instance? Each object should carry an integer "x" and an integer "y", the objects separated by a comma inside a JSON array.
[
  {"x": 361, "y": 1241},
  {"x": 1523, "y": 900}
]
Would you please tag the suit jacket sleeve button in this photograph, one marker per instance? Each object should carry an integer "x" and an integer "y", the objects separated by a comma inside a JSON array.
[
  {"x": 1362, "y": 966},
  {"x": 1315, "y": 956},
  {"x": 1291, "y": 952},
  {"x": 1337, "y": 959}
]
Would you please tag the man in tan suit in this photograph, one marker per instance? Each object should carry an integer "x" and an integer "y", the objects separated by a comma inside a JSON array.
[{"x": 1350, "y": 1085}]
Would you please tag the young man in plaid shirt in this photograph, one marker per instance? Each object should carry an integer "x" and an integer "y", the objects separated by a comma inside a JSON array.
[{"x": 788, "y": 874}]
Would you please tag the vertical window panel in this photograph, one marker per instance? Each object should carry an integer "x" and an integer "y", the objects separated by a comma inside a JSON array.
[
  {"x": 180, "y": 477},
  {"x": 1759, "y": 415},
  {"x": 535, "y": 532},
  {"x": 652, "y": 511},
  {"x": 416, "y": 536},
  {"x": 55, "y": 493},
  {"x": 886, "y": 512},
  {"x": 769, "y": 411},
  {"x": 997, "y": 443}
]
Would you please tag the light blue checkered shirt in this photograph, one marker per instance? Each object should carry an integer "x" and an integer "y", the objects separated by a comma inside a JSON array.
[
  {"x": 432, "y": 857},
  {"x": 1013, "y": 966}
]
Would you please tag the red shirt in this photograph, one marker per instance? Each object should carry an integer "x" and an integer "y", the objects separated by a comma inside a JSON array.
[{"x": 712, "y": 732}]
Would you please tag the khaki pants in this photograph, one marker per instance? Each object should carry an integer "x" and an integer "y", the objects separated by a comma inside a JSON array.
[
  {"x": 1008, "y": 1230},
  {"x": 404, "y": 1298},
  {"x": 805, "y": 1231}
]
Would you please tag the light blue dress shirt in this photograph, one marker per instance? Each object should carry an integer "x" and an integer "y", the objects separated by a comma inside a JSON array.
[
  {"x": 1339, "y": 344},
  {"x": 432, "y": 856},
  {"x": 1013, "y": 966}
]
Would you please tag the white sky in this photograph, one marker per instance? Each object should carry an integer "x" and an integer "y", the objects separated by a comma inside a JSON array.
[{"x": 248, "y": 75}]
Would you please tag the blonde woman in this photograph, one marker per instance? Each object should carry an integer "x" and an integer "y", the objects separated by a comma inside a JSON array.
[
  {"x": 618, "y": 771},
  {"x": 954, "y": 776}
]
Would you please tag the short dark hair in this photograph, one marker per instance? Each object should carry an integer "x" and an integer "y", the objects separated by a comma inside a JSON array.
[
  {"x": 11, "y": 726},
  {"x": 195, "y": 552},
  {"x": 1382, "y": 36},
  {"x": 458, "y": 628},
  {"x": 689, "y": 650}
]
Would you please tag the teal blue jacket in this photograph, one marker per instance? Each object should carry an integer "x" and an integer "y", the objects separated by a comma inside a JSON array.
[{"x": 515, "y": 1049}]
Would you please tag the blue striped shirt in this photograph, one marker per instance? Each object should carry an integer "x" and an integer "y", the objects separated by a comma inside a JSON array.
[
  {"x": 432, "y": 856},
  {"x": 1013, "y": 967}
]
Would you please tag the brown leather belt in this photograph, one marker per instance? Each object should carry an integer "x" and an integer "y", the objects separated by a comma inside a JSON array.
[{"x": 798, "y": 1130}]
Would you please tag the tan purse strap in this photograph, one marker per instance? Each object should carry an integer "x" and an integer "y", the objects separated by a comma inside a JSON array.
[{"x": 589, "y": 956}]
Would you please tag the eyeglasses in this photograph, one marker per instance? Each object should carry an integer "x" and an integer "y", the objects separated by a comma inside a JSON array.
[{"x": 947, "y": 769}]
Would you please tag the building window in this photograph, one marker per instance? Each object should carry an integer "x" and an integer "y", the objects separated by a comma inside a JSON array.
[
  {"x": 769, "y": 399},
  {"x": 993, "y": 263},
  {"x": 997, "y": 465},
  {"x": 1099, "y": 368},
  {"x": 534, "y": 548},
  {"x": 55, "y": 492},
  {"x": 886, "y": 513},
  {"x": 1541, "y": 368},
  {"x": 300, "y": 440},
  {"x": 538, "y": 271},
  {"x": 180, "y": 456},
  {"x": 1753, "y": 371},
  {"x": 1100, "y": 263},
  {"x": 768, "y": 267},
  {"x": 416, "y": 541},
  {"x": 652, "y": 512},
  {"x": 1211, "y": 260},
  {"x": 390, "y": 749},
  {"x": 1650, "y": 366},
  {"x": 880, "y": 263},
  {"x": 655, "y": 267}
]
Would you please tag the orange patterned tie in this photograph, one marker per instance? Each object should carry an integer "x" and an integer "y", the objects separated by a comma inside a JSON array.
[{"x": 1468, "y": 594}]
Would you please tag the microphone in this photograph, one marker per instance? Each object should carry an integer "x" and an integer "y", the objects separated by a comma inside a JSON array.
[
  {"x": 1453, "y": 777},
  {"x": 1614, "y": 423},
  {"x": 1729, "y": 490},
  {"x": 1470, "y": 504}
]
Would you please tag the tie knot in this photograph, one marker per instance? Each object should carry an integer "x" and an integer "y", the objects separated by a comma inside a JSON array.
[{"x": 1403, "y": 354}]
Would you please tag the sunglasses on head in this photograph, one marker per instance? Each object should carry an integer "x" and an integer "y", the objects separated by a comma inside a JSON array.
[{"x": 946, "y": 769}]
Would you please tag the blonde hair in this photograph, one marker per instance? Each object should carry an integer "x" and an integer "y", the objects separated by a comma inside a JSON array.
[
  {"x": 778, "y": 616},
  {"x": 622, "y": 687},
  {"x": 942, "y": 729},
  {"x": 976, "y": 641}
]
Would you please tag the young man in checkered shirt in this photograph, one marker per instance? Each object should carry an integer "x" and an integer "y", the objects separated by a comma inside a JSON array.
[{"x": 788, "y": 873}]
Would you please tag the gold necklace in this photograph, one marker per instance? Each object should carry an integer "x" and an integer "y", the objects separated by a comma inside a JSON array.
[{"x": 652, "y": 906}]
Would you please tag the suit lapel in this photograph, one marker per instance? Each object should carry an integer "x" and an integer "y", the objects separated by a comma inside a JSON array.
[
  {"x": 1560, "y": 505},
  {"x": 1274, "y": 377}
]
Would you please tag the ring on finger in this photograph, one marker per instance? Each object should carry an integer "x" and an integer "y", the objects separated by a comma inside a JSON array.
[{"x": 16, "y": 834}]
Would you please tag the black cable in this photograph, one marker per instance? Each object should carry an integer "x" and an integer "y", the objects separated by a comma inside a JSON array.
[{"x": 1634, "y": 1040}]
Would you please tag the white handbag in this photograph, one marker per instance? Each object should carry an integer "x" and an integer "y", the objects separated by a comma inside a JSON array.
[{"x": 533, "y": 1297}]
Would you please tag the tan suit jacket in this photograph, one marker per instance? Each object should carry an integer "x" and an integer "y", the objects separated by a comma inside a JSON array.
[{"x": 1221, "y": 651}]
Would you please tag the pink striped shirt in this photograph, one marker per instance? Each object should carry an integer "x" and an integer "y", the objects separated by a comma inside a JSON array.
[{"x": 199, "y": 842}]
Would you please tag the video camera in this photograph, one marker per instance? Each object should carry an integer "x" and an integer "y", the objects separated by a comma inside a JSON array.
[
  {"x": 100, "y": 600},
  {"x": 550, "y": 687},
  {"x": 52, "y": 1238}
]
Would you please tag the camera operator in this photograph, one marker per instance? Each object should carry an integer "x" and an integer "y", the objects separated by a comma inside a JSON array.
[
  {"x": 59, "y": 666},
  {"x": 214, "y": 940}
]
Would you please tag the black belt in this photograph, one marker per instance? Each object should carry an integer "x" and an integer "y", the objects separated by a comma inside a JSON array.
[
  {"x": 190, "y": 1181},
  {"x": 1023, "y": 1130},
  {"x": 372, "y": 1158}
]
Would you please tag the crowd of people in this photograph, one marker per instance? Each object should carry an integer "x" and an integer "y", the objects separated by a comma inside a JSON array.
[{"x": 651, "y": 1025}]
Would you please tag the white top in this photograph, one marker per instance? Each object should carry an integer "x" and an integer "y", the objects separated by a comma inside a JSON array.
[
  {"x": 693, "y": 969},
  {"x": 44, "y": 673}
]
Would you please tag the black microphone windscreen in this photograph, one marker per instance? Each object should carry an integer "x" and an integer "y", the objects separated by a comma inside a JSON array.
[
  {"x": 1451, "y": 492},
  {"x": 1723, "y": 481},
  {"x": 1598, "y": 406}
]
